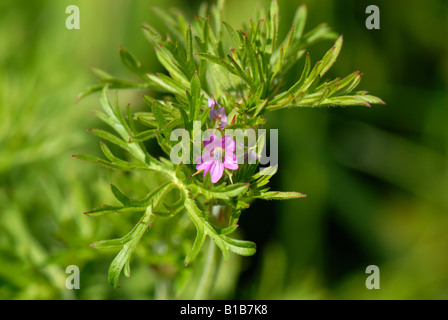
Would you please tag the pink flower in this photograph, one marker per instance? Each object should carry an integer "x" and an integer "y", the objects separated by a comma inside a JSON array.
[
  {"x": 219, "y": 114},
  {"x": 215, "y": 151}
]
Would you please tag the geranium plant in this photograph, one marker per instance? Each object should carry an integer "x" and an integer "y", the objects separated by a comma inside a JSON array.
[{"x": 219, "y": 79}]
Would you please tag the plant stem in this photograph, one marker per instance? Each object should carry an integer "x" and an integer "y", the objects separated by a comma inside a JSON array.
[
  {"x": 207, "y": 280},
  {"x": 161, "y": 290}
]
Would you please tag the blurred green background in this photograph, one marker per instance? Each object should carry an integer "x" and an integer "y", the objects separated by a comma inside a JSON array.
[{"x": 376, "y": 178}]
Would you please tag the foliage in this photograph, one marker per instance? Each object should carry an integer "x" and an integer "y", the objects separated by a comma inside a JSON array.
[
  {"x": 248, "y": 80},
  {"x": 375, "y": 177}
]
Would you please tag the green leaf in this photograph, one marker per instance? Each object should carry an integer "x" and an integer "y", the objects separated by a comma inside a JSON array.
[
  {"x": 120, "y": 124},
  {"x": 114, "y": 83},
  {"x": 176, "y": 72},
  {"x": 243, "y": 75},
  {"x": 108, "y": 244},
  {"x": 187, "y": 123},
  {"x": 262, "y": 177},
  {"x": 217, "y": 60},
  {"x": 152, "y": 35},
  {"x": 173, "y": 208},
  {"x": 299, "y": 21},
  {"x": 277, "y": 195},
  {"x": 349, "y": 101},
  {"x": 146, "y": 119},
  {"x": 204, "y": 228},
  {"x": 319, "y": 33},
  {"x": 189, "y": 43},
  {"x": 110, "y": 137},
  {"x": 108, "y": 209},
  {"x": 222, "y": 192},
  {"x": 166, "y": 83},
  {"x": 130, "y": 119},
  {"x": 142, "y": 136},
  {"x": 253, "y": 62},
  {"x": 237, "y": 213},
  {"x": 104, "y": 117},
  {"x": 124, "y": 256},
  {"x": 89, "y": 90},
  {"x": 372, "y": 99},
  {"x": 197, "y": 245},
  {"x": 117, "y": 161},
  {"x": 236, "y": 38},
  {"x": 137, "y": 205},
  {"x": 347, "y": 84},
  {"x": 228, "y": 230},
  {"x": 241, "y": 247},
  {"x": 101, "y": 73},
  {"x": 196, "y": 98},
  {"x": 151, "y": 198},
  {"x": 295, "y": 89},
  {"x": 330, "y": 57},
  {"x": 94, "y": 159},
  {"x": 273, "y": 26},
  {"x": 131, "y": 62},
  {"x": 158, "y": 115}
]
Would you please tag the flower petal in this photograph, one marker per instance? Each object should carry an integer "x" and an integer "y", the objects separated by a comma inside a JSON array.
[
  {"x": 222, "y": 117},
  {"x": 230, "y": 161},
  {"x": 211, "y": 103},
  {"x": 222, "y": 113},
  {"x": 206, "y": 157},
  {"x": 216, "y": 171},
  {"x": 211, "y": 143},
  {"x": 204, "y": 166},
  {"x": 228, "y": 144},
  {"x": 214, "y": 113}
]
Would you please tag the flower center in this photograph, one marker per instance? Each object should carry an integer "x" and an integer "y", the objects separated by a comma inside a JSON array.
[{"x": 217, "y": 153}]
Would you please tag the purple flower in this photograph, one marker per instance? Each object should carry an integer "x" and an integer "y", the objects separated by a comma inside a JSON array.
[
  {"x": 215, "y": 151},
  {"x": 219, "y": 114}
]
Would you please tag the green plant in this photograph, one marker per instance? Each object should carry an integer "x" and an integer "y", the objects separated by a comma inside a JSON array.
[{"x": 248, "y": 82}]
